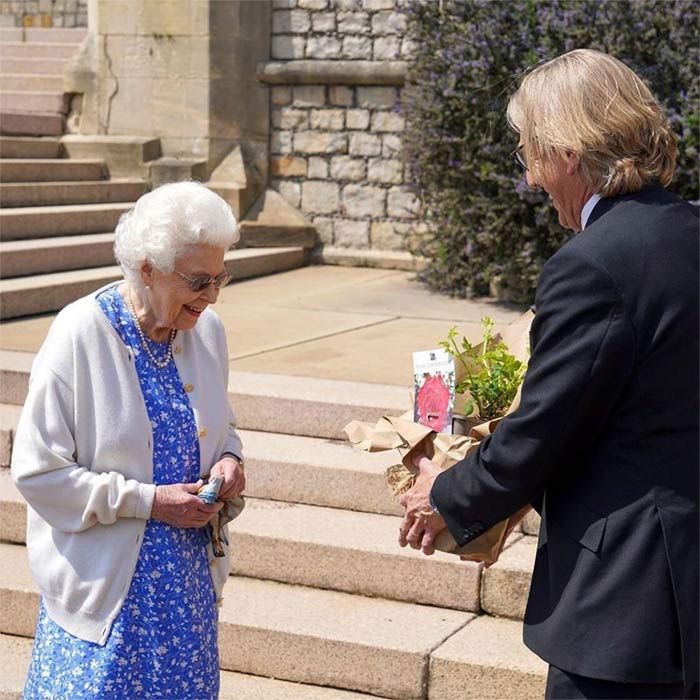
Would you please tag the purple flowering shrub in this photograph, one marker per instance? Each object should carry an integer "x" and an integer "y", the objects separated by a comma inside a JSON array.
[{"x": 485, "y": 223}]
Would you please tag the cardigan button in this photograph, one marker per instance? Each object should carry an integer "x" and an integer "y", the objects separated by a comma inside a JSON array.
[
  {"x": 203, "y": 433},
  {"x": 189, "y": 388},
  {"x": 177, "y": 350}
]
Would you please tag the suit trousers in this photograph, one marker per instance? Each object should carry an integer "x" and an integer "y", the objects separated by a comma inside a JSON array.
[{"x": 562, "y": 685}]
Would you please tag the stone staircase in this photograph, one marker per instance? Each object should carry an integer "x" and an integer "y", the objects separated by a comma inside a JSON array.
[
  {"x": 61, "y": 196},
  {"x": 320, "y": 593}
]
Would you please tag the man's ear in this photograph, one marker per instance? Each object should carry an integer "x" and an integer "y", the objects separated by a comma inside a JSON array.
[{"x": 572, "y": 163}]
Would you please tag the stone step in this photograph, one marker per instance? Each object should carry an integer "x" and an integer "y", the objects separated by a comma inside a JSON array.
[
  {"x": 73, "y": 219},
  {"x": 31, "y": 66},
  {"x": 505, "y": 585},
  {"x": 37, "y": 49},
  {"x": 42, "y": 83},
  {"x": 33, "y": 101},
  {"x": 59, "y": 254},
  {"x": 15, "y": 655},
  {"x": 58, "y": 35},
  {"x": 486, "y": 660},
  {"x": 18, "y": 147},
  {"x": 50, "y": 170},
  {"x": 291, "y": 632},
  {"x": 37, "y": 194},
  {"x": 30, "y": 124},
  {"x": 37, "y": 294}
]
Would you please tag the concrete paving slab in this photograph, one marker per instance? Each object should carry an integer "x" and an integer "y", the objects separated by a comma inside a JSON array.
[
  {"x": 380, "y": 353},
  {"x": 329, "y": 638},
  {"x": 486, "y": 660},
  {"x": 506, "y": 585},
  {"x": 346, "y": 551}
]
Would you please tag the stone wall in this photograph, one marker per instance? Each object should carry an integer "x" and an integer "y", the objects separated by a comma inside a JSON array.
[
  {"x": 44, "y": 13},
  {"x": 335, "y": 149}
]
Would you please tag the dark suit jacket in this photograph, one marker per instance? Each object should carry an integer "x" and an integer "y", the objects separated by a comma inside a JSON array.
[{"x": 606, "y": 439}]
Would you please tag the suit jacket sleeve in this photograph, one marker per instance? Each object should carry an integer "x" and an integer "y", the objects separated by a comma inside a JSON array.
[{"x": 582, "y": 355}]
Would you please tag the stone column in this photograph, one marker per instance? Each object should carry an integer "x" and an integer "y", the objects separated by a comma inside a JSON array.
[{"x": 182, "y": 71}]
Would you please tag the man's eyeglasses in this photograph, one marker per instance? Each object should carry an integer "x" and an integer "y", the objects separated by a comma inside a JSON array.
[
  {"x": 518, "y": 157},
  {"x": 197, "y": 284}
]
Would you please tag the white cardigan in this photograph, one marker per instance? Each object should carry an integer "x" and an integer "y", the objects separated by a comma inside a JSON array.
[{"x": 83, "y": 459}]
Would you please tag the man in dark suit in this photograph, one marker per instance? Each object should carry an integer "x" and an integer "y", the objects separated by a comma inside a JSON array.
[{"x": 605, "y": 441}]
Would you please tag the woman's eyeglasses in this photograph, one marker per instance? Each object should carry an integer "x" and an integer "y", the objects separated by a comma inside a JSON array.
[
  {"x": 518, "y": 157},
  {"x": 197, "y": 284}
]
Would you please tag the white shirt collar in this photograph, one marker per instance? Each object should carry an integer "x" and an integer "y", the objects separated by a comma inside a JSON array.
[{"x": 588, "y": 208}]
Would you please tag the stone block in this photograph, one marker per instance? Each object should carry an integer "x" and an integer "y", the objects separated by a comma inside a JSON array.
[
  {"x": 364, "y": 144},
  {"x": 375, "y": 5},
  {"x": 284, "y": 4},
  {"x": 318, "y": 168},
  {"x": 331, "y": 119},
  {"x": 391, "y": 145},
  {"x": 324, "y": 228},
  {"x": 348, "y": 168},
  {"x": 281, "y": 142},
  {"x": 290, "y": 190},
  {"x": 357, "y": 47},
  {"x": 351, "y": 234},
  {"x": 386, "y": 48},
  {"x": 309, "y": 96},
  {"x": 387, "y": 121},
  {"x": 288, "y": 46},
  {"x": 290, "y": 118},
  {"x": 312, "y": 4},
  {"x": 353, "y": 23},
  {"x": 290, "y": 22},
  {"x": 377, "y": 97},
  {"x": 323, "y": 21},
  {"x": 531, "y": 523},
  {"x": 320, "y": 142},
  {"x": 386, "y": 170},
  {"x": 346, "y": 5},
  {"x": 323, "y": 47},
  {"x": 387, "y": 235},
  {"x": 357, "y": 118},
  {"x": 319, "y": 197},
  {"x": 363, "y": 201},
  {"x": 281, "y": 94},
  {"x": 288, "y": 166},
  {"x": 408, "y": 48},
  {"x": 402, "y": 203},
  {"x": 389, "y": 23},
  {"x": 341, "y": 95}
]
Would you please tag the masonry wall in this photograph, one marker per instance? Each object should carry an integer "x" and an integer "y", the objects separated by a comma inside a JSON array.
[
  {"x": 336, "y": 150},
  {"x": 43, "y": 13}
]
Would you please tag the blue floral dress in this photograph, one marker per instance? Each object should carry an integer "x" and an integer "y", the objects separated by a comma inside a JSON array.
[{"x": 163, "y": 643}]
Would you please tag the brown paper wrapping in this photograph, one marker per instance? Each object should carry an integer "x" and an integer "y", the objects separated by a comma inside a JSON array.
[{"x": 401, "y": 433}]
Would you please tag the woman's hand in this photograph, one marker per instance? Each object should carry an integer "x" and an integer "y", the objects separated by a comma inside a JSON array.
[
  {"x": 234, "y": 477},
  {"x": 179, "y": 505}
]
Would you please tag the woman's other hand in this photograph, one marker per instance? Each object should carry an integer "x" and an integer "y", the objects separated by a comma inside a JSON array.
[
  {"x": 180, "y": 506},
  {"x": 234, "y": 477}
]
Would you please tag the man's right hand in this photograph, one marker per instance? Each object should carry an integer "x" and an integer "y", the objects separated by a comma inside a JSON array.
[{"x": 178, "y": 505}]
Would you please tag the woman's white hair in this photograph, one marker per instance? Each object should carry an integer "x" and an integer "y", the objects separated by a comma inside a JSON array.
[{"x": 164, "y": 222}]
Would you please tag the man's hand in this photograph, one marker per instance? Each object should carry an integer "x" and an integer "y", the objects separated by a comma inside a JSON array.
[
  {"x": 234, "y": 477},
  {"x": 179, "y": 505},
  {"x": 421, "y": 525}
]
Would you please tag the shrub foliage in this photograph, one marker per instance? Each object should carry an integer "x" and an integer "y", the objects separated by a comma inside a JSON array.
[{"x": 485, "y": 223}]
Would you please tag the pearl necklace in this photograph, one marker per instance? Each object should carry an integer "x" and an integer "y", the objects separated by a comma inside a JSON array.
[{"x": 160, "y": 364}]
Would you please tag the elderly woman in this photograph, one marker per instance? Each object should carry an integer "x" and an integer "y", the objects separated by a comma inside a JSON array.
[
  {"x": 605, "y": 441},
  {"x": 127, "y": 411}
]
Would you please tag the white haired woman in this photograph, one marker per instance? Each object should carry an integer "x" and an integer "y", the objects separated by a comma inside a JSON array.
[
  {"x": 605, "y": 441},
  {"x": 127, "y": 411}
]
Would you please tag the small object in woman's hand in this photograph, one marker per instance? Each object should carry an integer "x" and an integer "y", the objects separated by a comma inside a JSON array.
[{"x": 210, "y": 491}]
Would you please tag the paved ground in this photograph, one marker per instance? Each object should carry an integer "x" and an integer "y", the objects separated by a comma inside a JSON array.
[{"x": 358, "y": 324}]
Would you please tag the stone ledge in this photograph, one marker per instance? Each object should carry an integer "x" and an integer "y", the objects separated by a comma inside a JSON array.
[
  {"x": 386, "y": 259},
  {"x": 323, "y": 72}
]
